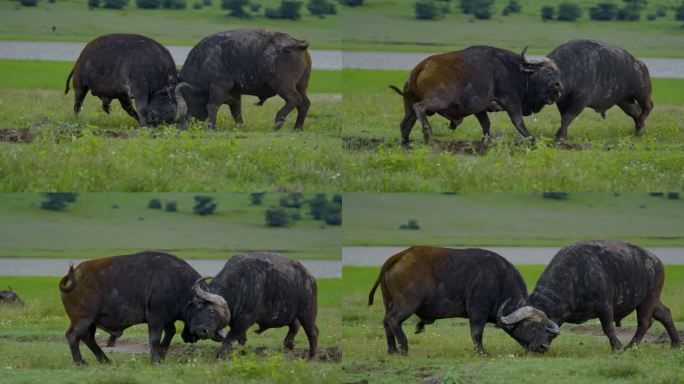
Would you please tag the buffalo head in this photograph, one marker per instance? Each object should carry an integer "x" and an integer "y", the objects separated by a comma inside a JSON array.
[
  {"x": 542, "y": 82},
  {"x": 210, "y": 315},
  {"x": 529, "y": 326},
  {"x": 167, "y": 106}
]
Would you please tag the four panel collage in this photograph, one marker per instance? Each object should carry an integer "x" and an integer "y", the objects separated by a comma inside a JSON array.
[{"x": 341, "y": 191}]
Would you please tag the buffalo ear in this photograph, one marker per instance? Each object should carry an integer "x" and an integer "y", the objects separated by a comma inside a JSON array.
[{"x": 300, "y": 44}]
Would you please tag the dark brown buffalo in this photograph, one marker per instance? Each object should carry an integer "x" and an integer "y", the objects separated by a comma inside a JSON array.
[
  {"x": 599, "y": 76},
  {"x": 267, "y": 289},
  {"x": 604, "y": 279},
  {"x": 437, "y": 283},
  {"x": 475, "y": 81},
  {"x": 126, "y": 67},
  {"x": 224, "y": 66},
  {"x": 117, "y": 292},
  {"x": 11, "y": 298}
]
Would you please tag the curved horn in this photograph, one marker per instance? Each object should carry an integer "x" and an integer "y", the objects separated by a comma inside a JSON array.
[
  {"x": 553, "y": 328},
  {"x": 524, "y": 52},
  {"x": 499, "y": 313},
  {"x": 181, "y": 105},
  {"x": 518, "y": 315},
  {"x": 212, "y": 298}
]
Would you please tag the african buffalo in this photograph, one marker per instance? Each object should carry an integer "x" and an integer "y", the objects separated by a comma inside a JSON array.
[
  {"x": 265, "y": 288},
  {"x": 437, "y": 283},
  {"x": 477, "y": 80},
  {"x": 117, "y": 292},
  {"x": 224, "y": 66},
  {"x": 125, "y": 67},
  {"x": 599, "y": 75},
  {"x": 605, "y": 279},
  {"x": 11, "y": 298}
]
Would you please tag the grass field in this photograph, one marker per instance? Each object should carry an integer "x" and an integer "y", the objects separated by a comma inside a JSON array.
[
  {"x": 100, "y": 152},
  {"x": 600, "y": 155},
  {"x": 444, "y": 353},
  {"x": 33, "y": 347},
  {"x": 74, "y": 22},
  {"x": 505, "y": 219},
  {"x": 92, "y": 227},
  {"x": 391, "y": 25}
]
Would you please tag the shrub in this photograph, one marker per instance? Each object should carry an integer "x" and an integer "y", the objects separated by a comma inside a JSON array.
[
  {"x": 204, "y": 205},
  {"x": 256, "y": 198},
  {"x": 154, "y": 204},
  {"x": 290, "y": 9},
  {"x": 628, "y": 14},
  {"x": 28, "y": 3},
  {"x": 254, "y": 7},
  {"x": 114, "y": 4},
  {"x": 174, "y": 4},
  {"x": 412, "y": 225},
  {"x": 547, "y": 12},
  {"x": 513, "y": 6},
  {"x": 352, "y": 3},
  {"x": 679, "y": 12},
  {"x": 321, "y": 8},
  {"x": 603, "y": 12},
  {"x": 292, "y": 200},
  {"x": 93, "y": 3},
  {"x": 656, "y": 194},
  {"x": 484, "y": 11},
  {"x": 673, "y": 195},
  {"x": 197, "y": 5},
  {"x": 651, "y": 17},
  {"x": 171, "y": 206},
  {"x": 428, "y": 10},
  {"x": 333, "y": 215},
  {"x": 467, "y": 6},
  {"x": 555, "y": 195},
  {"x": 318, "y": 206},
  {"x": 337, "y": 199},
  {"x": 277, "y": 217},
  {"x": 206, "y": 3},
  {"x": 272, "y": 13},
  {"x": 52, "y": 1},
  {"x": 235, "y": 8},
  {"x": 148, "y": 4},
  {"x": 57, "y": 201},
  {"x": 661, "y": 11},
  {"x": 568, "y": 11}
]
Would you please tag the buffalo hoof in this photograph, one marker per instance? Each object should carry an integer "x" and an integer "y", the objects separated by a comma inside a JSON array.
[
  {"x": 392, "y": 351},
  {"x": 81, "y": 363},
  {"x": 639, "y": 132}
]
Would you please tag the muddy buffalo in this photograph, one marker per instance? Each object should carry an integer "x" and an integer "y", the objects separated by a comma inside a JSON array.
[
  {"x": 437, "y": 283},
  {"x": 224, "y": 66},
  {"x": 475, "y": 81},
  {"x": 599, "y": 76},
  {"x": 117, "y": 292},
  {"x": 262, "y": 288},
  {"x": 129, "y": 67},
  {"x": 608, "y": 280}
]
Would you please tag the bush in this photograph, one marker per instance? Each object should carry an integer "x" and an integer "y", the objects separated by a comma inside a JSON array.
[
  {"x": 337, "y": 199},
  {"x": 114, "y": 4},
  {"x": 197, "y": 5},
  {"x": 206, "y": 3},
  {"x": 661, "y": 11},
  {"x": 628, "y": 14},
  {"x": 148, "y": 4},
  {"x": 481, "y": 9},
  {"x": 292, "y": 200},
  {"x": 171, "y": 206},
  {"x": 656, "y": 194},
  {"x": 318, "y": 206},
  {"x": 547, "y": 12},
  {"x": 174, "y": 4},
  {"x": 272, "y": 13},
  {"x": 513, "y": 6},
  {"x": 333, "y": 215},
  {"x": 428, "y": 10},
  {"x": 277, "y": 217},
  {"x": 603, "y": 12},
  {"x": 154, "y": 204},
  {"x": 467, "y": 6},
  {"x": 673, "y": 195},
  {"x": 352, "y": 3},
  {"x": 93, "y": 3},
  {"x": 556, "y": 195},
  {"x": 412, "y": 225},
  {"x": 235, "y": 8},
  {"x": 484, "y": 12},
  {"x": 651, "y": 17},
  {"x": 290, "y": 9},
  {"x": 256, "y": 198},
  {"x": 254, "y": 7},
  {"x": 57, "y": 201},
  {"x": 568, "y": 11},
  {"x": 679, "y": 12},
  {"x": 204, "y": 205},
  {"x": 28, "y": 3},
  {"x": 321, "y": 8}
]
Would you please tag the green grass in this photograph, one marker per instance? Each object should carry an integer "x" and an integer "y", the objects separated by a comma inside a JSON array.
[
  {"x": 390, "y": 25},
  {"x": 33, "y": 347},
  {"x": 445, "y": 353},
  {"x": 510, "y": 219},
  {"x": 75, "y": 22},
  {"x": 611, "y": 157},
  {"x": 92, "y": 228}
]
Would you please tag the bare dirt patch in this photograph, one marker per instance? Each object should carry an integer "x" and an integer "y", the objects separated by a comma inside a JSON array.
[
  {"x": 16, "y": 135},
  {"x": 625, "y": 334},
  {"x": 461, "y": 147}
]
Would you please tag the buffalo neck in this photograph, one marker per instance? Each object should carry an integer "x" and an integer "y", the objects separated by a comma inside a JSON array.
[{"x": 551, "y": 303}]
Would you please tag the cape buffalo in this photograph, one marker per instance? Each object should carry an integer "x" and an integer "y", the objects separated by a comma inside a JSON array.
[
  {"x": 477, "y": 80},
  {"x": 117, "y": 292},
  {"x": 599, "y": 75},
  {"x": 604, "y": 279},
  {"x": 437, "y": 283},
  {"x": 125, "y": 67},
  {"x": 267, "y": 289},
  {"x": 226, "y": 65},
  {"x": 10, "y": 297}
]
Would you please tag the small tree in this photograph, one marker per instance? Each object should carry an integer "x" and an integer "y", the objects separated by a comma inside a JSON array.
[
  {"x": 197, "y": 5},
  {"x": 333, "y": 214},
  {"x": 547, "y": 12},
  {"x": 171, "y": 206},
  {"x": 174, "y": 4},
  {"x": 148, "y": 4},
  {"x": 337, "y": 199},
  {"x": 321, "y": 8},
  {"x": 28, "y": 3},
  {"x": 292, "y": 200},
  {"x": 482, "y": 9},
  {"x": 318, "y": 206},
  {"x": 154, "y": 204},
  {"x": 290, "y": 9},
  {"x": 115, "y": 4},
  {"x": 256, "y": 198},
  {"x": 352, "y": 3},
  {"x": 235, "y": 8},
  {"x": 568, "y": 11},
  {"x": 513, "y": 6},
  {"x": 467, "y": 6},
  {"x": 428, "y": 10},
  {"x": 661, "y": 11},
  {"x": 412, "y": 225},
  {"x": 204, "y": 205},
  {"x": 628, "y": 14},
  {"x": 93, "y": 4},
  {"x": 603, "y": 12},
  {"x": 679, "y": 12},
  {"x": 277, "y": 217},
  {"x": 57, "y": 201}
]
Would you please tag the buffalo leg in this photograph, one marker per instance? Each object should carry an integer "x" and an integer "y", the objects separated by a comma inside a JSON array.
[
  {"x": 169, "y": 332},
  {"x": 236, "y": 111},
  {"x": 288, "y": 343},
  {"x": 292, "y": 100},
  {"x": 311, "y": 330},
  {"x": 517, "y": 120},
  {"x": 73, "y": 336},
  {"x": 394, "y": 320},
  {"x": 454, "y": 119},
  {"x": 646, "y": 108},
  {"x": 421, "y": 108},
  {"x": 662, "y": 314},
  {"x": 112, "y": 340},
  {"x": 406, "y": 125},
  {"x": 302, "y": 110},
  {"x": 238, "y": 332},
  {"x": 127, "y": 106},
  {"x": 242, "y": 339},
  {"x": 606, "y": 318},
  {"x": 483, "y": 118},
  {"x": 89, "y": 340},
  {"x": 476, "y": 331},
  {"x": 79, "y": 95},
  {"x": 106, "y": 102},
  {"x": 568, "y": 114},
  {"x": 154, "y": 335},
  {"x": 644, "y": 321}
]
